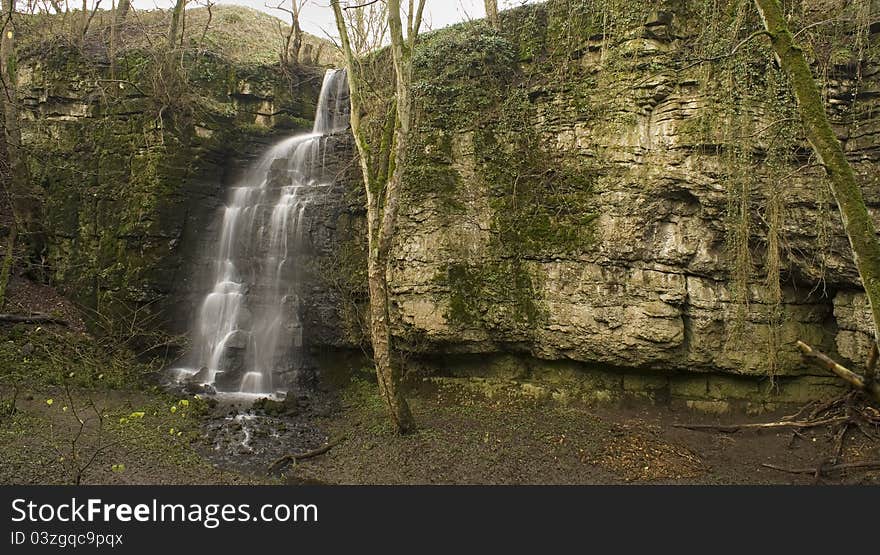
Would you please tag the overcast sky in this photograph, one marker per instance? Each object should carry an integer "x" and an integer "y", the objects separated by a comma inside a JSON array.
[{"x": 318, "y": 17}]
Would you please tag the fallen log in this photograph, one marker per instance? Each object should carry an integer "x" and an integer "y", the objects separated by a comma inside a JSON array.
[
  {"x": 33, "y": 319},
  {"x": 731, "y": 428},
  {"x": 872, "y": 388},
  {"x": 830, "y": 469},
  {"x": 283, "y": 461}
]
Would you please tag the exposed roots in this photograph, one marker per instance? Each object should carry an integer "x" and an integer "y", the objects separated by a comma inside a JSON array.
[{"x": 844, "y": 415}]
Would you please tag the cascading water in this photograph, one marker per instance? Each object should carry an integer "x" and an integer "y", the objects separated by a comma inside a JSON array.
[{"x": 247, "y": 335}]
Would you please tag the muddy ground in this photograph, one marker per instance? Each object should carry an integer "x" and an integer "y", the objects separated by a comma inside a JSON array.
[
  {"x": 466, "y": 438},
  {"x": 77, "y": 417},
  {"x": 463, "y": 438}
]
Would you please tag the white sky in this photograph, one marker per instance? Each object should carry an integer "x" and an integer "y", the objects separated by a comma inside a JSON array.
[{"x": 317, "y": 17}]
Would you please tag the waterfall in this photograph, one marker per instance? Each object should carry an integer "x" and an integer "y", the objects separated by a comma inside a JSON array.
[{"x": 247, "y": 336}]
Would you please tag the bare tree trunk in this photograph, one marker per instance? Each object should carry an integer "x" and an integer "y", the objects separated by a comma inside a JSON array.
[
  {"x": 293, "y": 40},
  {"x": 87, "y": 17},
  {"x": 122, "y": 11},
  {"x": 114, "y": 25},
  {"x": 383, "y": 197},
  {"x": 296, "y": 44},
  {"x": 388, "y": 373},
  {"x": 174, "y": 29},
  {"x": 856, "y": 220},
  {"x": 492, "y": 13}
]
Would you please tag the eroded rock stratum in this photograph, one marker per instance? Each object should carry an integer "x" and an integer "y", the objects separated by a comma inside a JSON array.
[
  {"x": 598, "y": 186},
  {"x": 593, "y": 192}
]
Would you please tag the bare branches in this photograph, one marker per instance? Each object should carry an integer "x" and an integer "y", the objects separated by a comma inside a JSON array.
[
  {"x": 825, "y": 470},
  {"x": 293, "y": 38},
  {"x": 367, "y": 26},
  {"x": 827, "y": 21},
  {"x": 209, "y": 5},
  {"x": 89, "y": 16},
  {"x": 364, "y": 5},
  {"x": 730, "y": 54},
  {"x": 417, "y": 24},
  {"x": 731, "y": 428},
  {"x": 177, "y": 14}
]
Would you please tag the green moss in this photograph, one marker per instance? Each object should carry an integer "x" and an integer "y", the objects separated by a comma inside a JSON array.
[
  {"x": 526, "y": 27},
  {"x": 118, "y": 171},
  {"x": 461, "y": 72},
  {"x": 500, "y": 291}
]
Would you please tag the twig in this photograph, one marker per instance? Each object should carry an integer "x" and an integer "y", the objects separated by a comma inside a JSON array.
[
  {"x": 838, "y": 442},
  {"x": 730, "y": 54},
  {"x": 358, "y": 6}
]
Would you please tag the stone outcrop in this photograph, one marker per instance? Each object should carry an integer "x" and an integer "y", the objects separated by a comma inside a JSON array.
[
  {"x": 593, "y": 194},
  {"x": 575, "y": 193},
  {"x": 134, "y": 175}
]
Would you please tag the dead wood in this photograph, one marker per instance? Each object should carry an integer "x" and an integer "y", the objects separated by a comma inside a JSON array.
[
  {"x": 731, "y": 428},
  {"x": 829, "y": 469},
  {"x": 283, "y": 461},
  {"x": 872, "y": 387},
  {"x": 33, "y": 319}
]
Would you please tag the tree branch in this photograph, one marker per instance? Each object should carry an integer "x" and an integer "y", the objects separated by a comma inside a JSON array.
[
  {"x": 33, "y": 319},
  {"x": 843, "y": 372},
  {"x": 285, "y": 460},
  {"x": 364, "y": 5}
]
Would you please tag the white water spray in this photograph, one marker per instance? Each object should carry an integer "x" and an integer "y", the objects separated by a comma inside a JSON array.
[{"x": 247, "y": 336}]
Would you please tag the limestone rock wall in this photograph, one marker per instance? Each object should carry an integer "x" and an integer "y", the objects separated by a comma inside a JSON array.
[
  {"x": 576, "y": 187},
  {"x": 586, "y": 191},
  {"x": 133, "y": 180}
]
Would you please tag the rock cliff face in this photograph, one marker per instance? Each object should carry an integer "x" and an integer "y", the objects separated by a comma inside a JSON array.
[
  {"x": 586, "y": 191},
  {"x": 599, "y": 192},
  {"x": 133, "y": 169}
]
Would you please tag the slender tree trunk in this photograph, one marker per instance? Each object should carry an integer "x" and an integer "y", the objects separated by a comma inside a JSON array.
[
  {"x": 387, "y": 370},
  {"x": 296, "y": 44},
  {"x": 382, "y": 206},
  {"x": 174, "y": 29},
  {"x": 113, "y": 38},
  {"x": 492, "y": 13},
  {"x": 856, "y": 220},
  {"x": 122, "y": 11}
]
